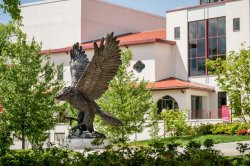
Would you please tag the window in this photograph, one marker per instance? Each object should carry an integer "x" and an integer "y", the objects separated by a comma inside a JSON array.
[
  {"x": 209, "y": 1},
  {"x": 217, "y": 38},
  {"x": 222, "y": 100},
  {"x": 236, "y": 24},
  {"x": 206, "y": 39},
  {"x": 48, "y": 73},
  {"x": 197, "y": 48},
  {"x": 167, "y": 102},
  {"x": 60, "y": 72},
  {"x": 196, "y": 107},
  {"x": 139, "y": 66},
  {"x": 177, "y": 33}
]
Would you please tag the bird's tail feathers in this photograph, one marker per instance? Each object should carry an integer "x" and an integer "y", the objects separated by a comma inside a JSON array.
[{"x": 109, "y": 118}]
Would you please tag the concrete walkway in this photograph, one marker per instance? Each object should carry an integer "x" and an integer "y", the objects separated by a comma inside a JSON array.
[{"x": 229, "y": 149}]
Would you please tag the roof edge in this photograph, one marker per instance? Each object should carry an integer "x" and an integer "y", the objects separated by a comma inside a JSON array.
[
  {"x": 200, "y": 6},
  {"x": 136, "y": 42}
]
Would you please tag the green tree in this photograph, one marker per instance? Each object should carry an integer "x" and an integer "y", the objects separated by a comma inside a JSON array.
[
  {"x": 128, "y": 99},
  {"x": 174, "y": 121},
  {"x": 11, "y": 7},
  {"x": 234, "y": 78},
  {"x": 27, "y": 98},
  {"x": 154, "y": 125},
  {"x": 5, "y": 134}
]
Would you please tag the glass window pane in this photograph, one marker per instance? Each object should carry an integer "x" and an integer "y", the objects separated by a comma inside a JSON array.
[
  {"x": 192, "y": 30},
  {"x": 201, "y": 29},
  {"x": 192, "y": 48},
  {"x": 201, "y": 66},
  {"x": 221, "y": 26},
  {"x": 236, "y": 24},
  {"x": 212, "y": 46},
  {"x": 60, "y": 72},
  {"x": 192, "y": 67},
  {"x": 222, "y": 45},
  {"x": 204, "y": 2},
  {"x": 211, "y": 1},
  {"x": 177, "y": 32},
  {"x": 212, "y": 27},
  {"x": 201, "y": 48}
]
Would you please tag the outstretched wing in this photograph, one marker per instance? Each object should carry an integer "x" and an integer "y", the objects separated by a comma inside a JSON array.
[
  {"x": 101, "y": 69},
  {"x": 78, "y": 63}
]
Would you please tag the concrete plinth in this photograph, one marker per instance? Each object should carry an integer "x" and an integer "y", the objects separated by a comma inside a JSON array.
[{"x": 83, "y": 143}]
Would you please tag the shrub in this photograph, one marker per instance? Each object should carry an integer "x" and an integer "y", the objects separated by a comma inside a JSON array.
[
  {"x": 219, "y": 128},
  {"x": 241, "y": 132},
  {"x": 157, "y": 154},
  {"x": 174, "y": 121},
  {"x": 204, "y": 129}
]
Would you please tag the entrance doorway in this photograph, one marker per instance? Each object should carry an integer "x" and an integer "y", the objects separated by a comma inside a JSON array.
[{"x": 196, "y": 107}]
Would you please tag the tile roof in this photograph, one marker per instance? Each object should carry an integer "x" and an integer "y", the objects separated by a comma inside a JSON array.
[
  {"x": 153, "y": 36},
  {"x": 174, "y": 83}
]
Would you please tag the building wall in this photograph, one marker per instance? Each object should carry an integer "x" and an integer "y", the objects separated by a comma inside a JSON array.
[
  {"x": 100, "y": 18},
  {"x": 55, "y": 23},
  {"x": 146, "y": 54},
  {"x": 60, "y": 23},
  {"x": 178, "y": 95},
  {"x": 238, "y": 9},
  {"x": 235, "y": 9},
  {"x": 165, "y": 61},
  {"x": 181, "y": 48}
]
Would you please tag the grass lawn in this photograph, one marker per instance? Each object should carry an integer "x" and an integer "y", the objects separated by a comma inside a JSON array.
[{"x": 183, "y": 140}]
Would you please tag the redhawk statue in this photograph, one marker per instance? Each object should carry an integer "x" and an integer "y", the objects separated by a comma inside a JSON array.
[{"x": 90, "y": 81}]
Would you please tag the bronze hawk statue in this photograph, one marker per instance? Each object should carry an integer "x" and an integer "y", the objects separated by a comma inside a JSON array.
[{"x": 90, "y": 81}]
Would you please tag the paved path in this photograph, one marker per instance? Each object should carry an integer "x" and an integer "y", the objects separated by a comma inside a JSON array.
[{"x": 229, "y": 149}]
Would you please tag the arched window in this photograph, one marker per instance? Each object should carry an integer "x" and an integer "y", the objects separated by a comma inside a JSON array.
[{"x": 167, "y": 102}]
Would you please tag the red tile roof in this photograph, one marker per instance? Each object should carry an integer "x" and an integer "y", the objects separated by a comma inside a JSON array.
[
  {"x": 174, "y": 83},
  {"x": 127, "y": 39}
]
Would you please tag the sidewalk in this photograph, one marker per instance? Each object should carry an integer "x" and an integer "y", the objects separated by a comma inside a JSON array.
[{"x": 229, "y": 149}]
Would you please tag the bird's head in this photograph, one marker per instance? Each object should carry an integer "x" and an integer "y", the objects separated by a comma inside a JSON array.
[{"x": 65, "y": 94}]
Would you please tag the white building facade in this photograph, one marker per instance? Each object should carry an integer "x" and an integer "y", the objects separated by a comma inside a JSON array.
[{"x": 174, "y": 54}]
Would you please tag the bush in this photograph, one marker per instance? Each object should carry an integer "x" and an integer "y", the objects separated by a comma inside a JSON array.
[
  {"x": 219, "y": 128},
  {"x": 204, "y": 129},
  {"x": 157, "y": 154},
  {"x": 174, "y": 121}
]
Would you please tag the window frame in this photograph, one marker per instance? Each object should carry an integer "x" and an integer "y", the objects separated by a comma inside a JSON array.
[
  {"x": 198, "y": 59},
  {"x": 234, "y": 19}
]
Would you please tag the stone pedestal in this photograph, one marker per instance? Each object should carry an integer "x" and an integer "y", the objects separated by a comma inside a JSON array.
[{"x": 83, "y": 143}]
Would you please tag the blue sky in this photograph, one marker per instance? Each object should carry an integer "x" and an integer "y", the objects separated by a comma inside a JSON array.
[{"x": 152, "y": 6}]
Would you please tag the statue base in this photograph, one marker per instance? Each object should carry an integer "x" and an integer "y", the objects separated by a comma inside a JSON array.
[{"x": 86, "y": 143}]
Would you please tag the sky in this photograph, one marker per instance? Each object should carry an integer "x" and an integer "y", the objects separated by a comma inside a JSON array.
[{"x": 158, "y": 7}]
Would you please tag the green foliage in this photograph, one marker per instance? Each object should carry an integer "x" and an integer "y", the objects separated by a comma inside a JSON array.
[
  {"x": 174, "y": 121},
  {"x": 128, "y": 99},
  {"x": 157, "y": 154},
  {"x": 234, "y": 78},
  {"x": 231, "y": 129},
  {"x": 11, "y": 7},
  {"x": 27, "y": 98},
  {"x": 154, "y": 126},
  {"x": 5, "y": 134},
  {"x": 202, "y": 129}
]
